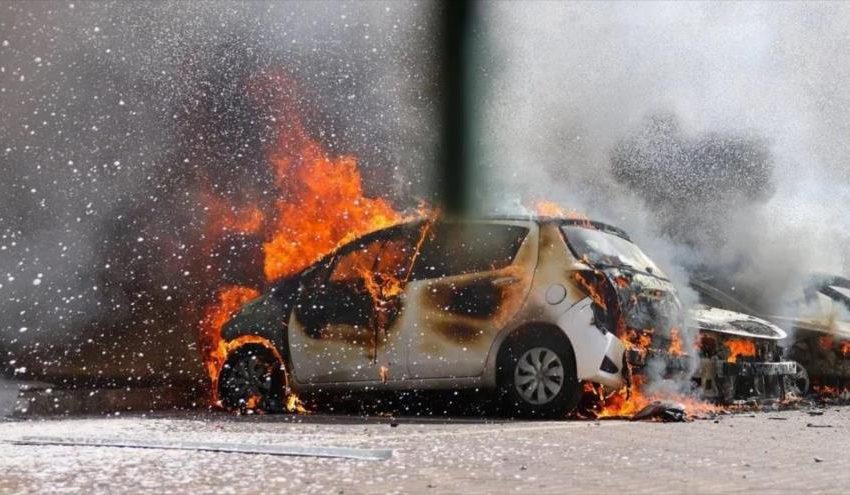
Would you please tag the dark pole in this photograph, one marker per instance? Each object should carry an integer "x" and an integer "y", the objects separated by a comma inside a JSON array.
[{"x": 454, "y": 42}]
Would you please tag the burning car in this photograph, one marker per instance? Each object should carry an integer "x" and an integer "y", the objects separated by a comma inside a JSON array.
[
  {"x": 741, "y": 357},
  {"x": 818, "y": 328},
  {"x": 528, "y": 307}
]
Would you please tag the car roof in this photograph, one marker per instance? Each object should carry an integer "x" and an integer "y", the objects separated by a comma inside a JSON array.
[
  {"x": 572, "y": 222},
  {"x": 576, "y": 222}
]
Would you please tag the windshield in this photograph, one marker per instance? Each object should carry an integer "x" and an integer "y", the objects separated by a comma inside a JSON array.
[{"x": 601, "y": 248}]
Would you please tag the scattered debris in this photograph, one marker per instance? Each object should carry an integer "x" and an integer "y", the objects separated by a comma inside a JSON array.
[
  {"x": 235, "y": 448},
  {"x": 667, "y": 412}
]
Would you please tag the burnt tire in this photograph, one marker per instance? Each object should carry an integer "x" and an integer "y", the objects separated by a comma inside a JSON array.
[
  {"x": 252, "y": 378},
  {"x": 537, "y": 377}
]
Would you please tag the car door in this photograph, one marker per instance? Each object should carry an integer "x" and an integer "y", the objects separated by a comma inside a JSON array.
[
  {"x": 467, "y": 282},
  {"x": 338, "y": 331}
]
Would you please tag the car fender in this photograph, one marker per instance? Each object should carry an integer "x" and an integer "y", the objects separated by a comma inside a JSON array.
[
  {"x": 264, "y": 317},
  {"x": 592, "y": 345}
]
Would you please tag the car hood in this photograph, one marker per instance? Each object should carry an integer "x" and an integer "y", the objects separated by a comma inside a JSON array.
[{"x": 718, "y": 320}]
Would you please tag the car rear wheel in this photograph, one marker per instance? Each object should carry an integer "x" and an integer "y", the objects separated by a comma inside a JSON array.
[
  {"x": 538, "y": 378},
  {"x": 252, "y": 379}
]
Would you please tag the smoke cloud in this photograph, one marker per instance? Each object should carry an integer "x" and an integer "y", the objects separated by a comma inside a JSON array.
[{"x": 713, "y": 133}]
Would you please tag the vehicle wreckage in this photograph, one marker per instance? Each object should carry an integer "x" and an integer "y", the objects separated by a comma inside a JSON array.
[
  {"x": 527, "y": 307},
  {"x": 741, "y": 357},
  {"x": 816, "y": 327}
]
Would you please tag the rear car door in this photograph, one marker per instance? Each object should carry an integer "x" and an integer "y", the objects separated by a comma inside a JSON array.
[{"x": 468, "y": 280}]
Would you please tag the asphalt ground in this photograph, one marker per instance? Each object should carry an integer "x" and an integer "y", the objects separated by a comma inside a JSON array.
[{"x": 802, "y": 451}]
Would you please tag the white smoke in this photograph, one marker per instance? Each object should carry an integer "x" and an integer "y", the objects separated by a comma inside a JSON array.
[{"x": 568, "y": 82}]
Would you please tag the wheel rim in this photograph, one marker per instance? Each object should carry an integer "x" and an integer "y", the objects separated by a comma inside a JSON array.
[
  {"x": 251, "y": 379},
  {"x": 539, "y": 375}
]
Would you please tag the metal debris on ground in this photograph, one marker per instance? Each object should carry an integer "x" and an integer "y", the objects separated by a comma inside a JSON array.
[
  {"x": 235, "y": 448},
  {"x": 667, "y": 412}
]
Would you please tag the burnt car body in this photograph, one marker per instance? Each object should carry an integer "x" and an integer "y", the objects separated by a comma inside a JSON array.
[
  {"x": 741, "y": 357},
  {"x": 817, "y": 326},
  {"x": 504, "y": 304}
]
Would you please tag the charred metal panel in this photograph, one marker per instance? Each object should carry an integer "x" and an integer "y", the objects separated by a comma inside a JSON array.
[
  {"x": 476, "y": 299},
  {"x": 345, "y": 325},
  {"x": 265, "y": 317},
  {"x": 646, "y": 301},
  {"x": 452, "y": 321},
  {"x": 459, "y": 332},
  {"x": 336, "y": 303},
  {"x": 756, "y": 369}
]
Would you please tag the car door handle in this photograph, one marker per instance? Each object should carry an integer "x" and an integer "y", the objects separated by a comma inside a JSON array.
[{"x": 503, "y": 281}]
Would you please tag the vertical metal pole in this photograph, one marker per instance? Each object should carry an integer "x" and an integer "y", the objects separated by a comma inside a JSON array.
[{"x": 455, "y": 34}]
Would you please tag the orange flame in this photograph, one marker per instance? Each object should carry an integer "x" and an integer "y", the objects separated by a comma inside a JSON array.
[
  {"x": 213, "y": 347},
  {"x": 826, "y": 342},
  {"x": 677, "y": 346},
  {"x": 546, "y": 208},
  {"x": 739, "y": 348},
  {"x": 294, "y": 405},
  {"x": 626, "y": 403},
  {"x": 320, "y": 204},
  {"x": 223, "y": 218},
  {"x": 638, "y": 340},
  {"x": 592, "y": 289}
]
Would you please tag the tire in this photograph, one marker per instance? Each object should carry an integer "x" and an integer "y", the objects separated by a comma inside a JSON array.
[
  {"x": 537, "y": 377},
  {"x": 252, "y": 379}
]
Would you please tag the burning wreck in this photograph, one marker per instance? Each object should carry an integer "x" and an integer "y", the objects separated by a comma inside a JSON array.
[
  {"x": 741, "y": 357},
  {"x": 816, "y": 329},
  {"x": 528, "y": 307},
  {"x": 351, "y": 295}
]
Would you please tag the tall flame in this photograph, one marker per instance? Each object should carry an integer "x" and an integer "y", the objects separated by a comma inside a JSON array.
[
  {"x": 546, "y": 208},
  {"x": 320, "y": 203}
]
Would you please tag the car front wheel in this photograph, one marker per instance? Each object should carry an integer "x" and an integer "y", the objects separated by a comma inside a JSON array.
[
  {"x": 538, "y": 378},
  {"x": 252, "y": 379}
]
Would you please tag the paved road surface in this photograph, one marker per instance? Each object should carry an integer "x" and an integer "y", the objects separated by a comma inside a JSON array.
[{"x": 781, "y": 452}]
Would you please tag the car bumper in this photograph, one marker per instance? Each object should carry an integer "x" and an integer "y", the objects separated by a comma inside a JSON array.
[
  {"x": 609, "y": 370},
  {"x": 783, "y": 368}
]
